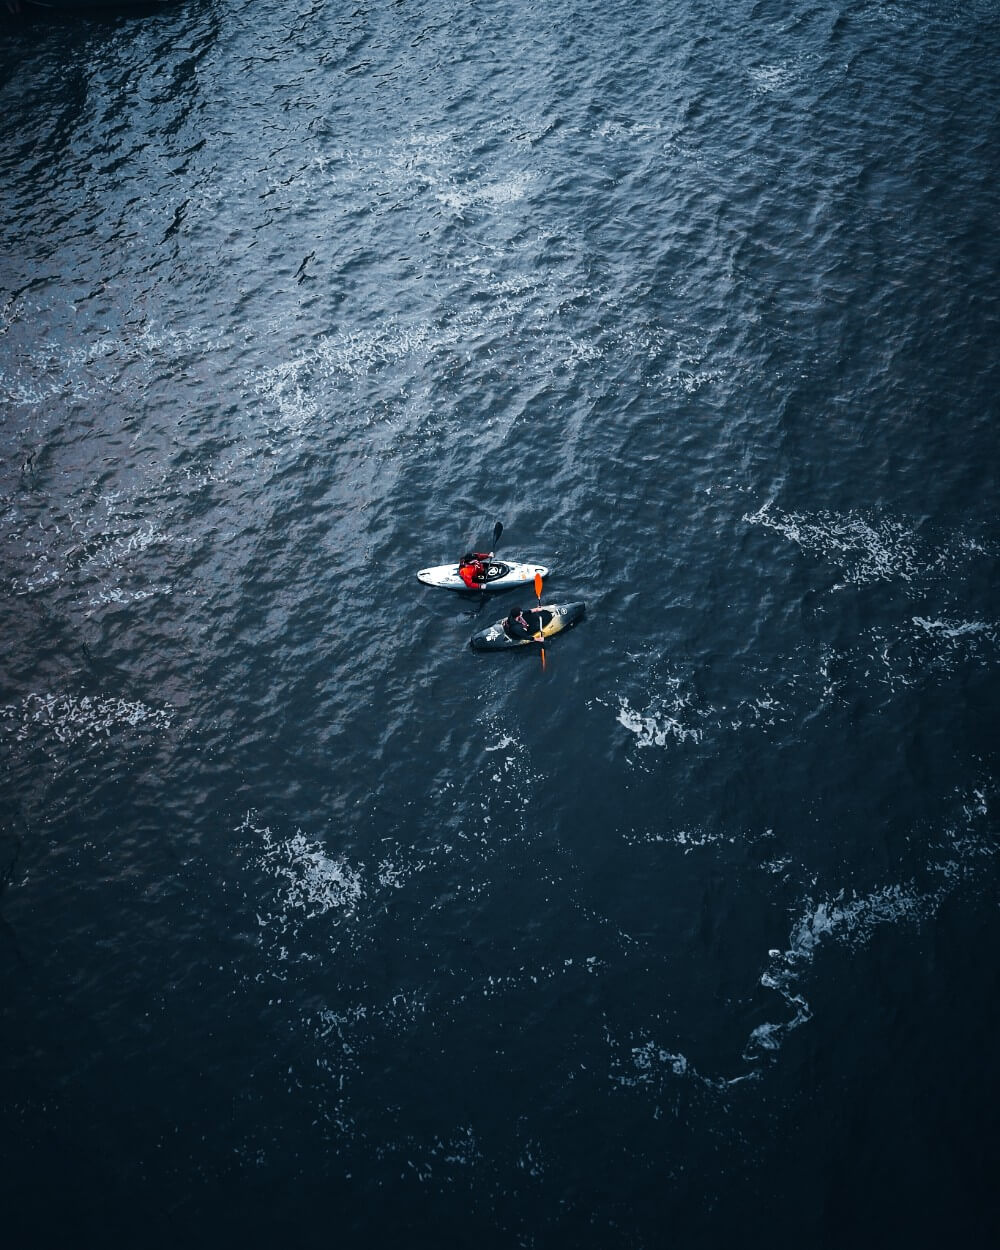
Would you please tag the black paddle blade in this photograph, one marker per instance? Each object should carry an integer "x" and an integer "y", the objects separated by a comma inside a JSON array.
[{"x": 497, "y": 531}]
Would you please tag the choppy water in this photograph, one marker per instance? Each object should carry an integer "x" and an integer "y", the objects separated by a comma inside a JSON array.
[{"x": 319, "y": 927}]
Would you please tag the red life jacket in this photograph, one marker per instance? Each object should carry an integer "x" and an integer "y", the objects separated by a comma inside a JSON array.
[{"x": 474, "y": 572}]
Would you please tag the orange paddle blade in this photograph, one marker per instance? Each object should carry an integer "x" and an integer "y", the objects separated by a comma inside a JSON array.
[{"x": 538, "y": 596}]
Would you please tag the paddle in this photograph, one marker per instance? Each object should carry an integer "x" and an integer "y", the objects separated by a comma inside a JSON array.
[
  {"x": 497, "y": 531},
  {"x": 540, "y": 635}
]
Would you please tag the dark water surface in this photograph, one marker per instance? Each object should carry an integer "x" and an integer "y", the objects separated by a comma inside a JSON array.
[{"x": 320, "y": 929}]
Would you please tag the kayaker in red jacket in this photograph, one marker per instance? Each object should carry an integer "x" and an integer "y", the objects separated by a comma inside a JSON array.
[{"x": 472, "y": 568}]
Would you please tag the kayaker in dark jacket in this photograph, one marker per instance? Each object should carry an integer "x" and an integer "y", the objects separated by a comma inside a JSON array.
[{"x": 529, "y": 624}]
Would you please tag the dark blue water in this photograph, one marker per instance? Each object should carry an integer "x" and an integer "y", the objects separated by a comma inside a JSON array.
[{"x": 319, "y": 928}]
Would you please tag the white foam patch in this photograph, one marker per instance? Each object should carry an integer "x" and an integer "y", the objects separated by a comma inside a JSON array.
[
  {"x": 123, "y": 546},
  {"x": 510, "y": 781},
  {"x": 967, "y": 847},
  {"x": 41, "y": 577},
  {"x": 391, "y": 875},
  {"x": 296, "y": 391},
  {"x": 762, "y": 712},
  {"x": 768, "y": 78},
  {"x": 531, "y": 1160},
  {"x": 831, "y": 687},
  {"x": 506, "y": 742},
  {"x": 513, "y": 763},
  {"x": 340, "y": 1034},
  {"x": 102, "y": 542},
  {"x": 70, "y": 718},
  {"x": 330, "y": 1023},
  {"x": 661, "y": 724},
  {"x": 55, "y": 372},
  {"x": 172, "y": 343},
  {"x": 123, "y": 598},
  {"x": 975, "y": 804},
  {"x": 906, "y": 655},
  {"x": 76, "y": 373},
  {"x": 416, "y": 167},
  {"x": 851, "y": 919},
  {"x": 311, "y": 883},
  {"x": 421, "y": 162},
  {"x": 626, "y": 130},
  {"x": 867, "y": 550},
  {"x": 583, "y": 353},
  {"x": 649, "y": 1058},
  {"x": 847, "y": 919},
  {"x": 485, "y": 194},
  {"x": 954, "y": 631},
  {"x": 343, "y": 1035},
  {"x": 962, "y": 857},
  {"x": 692, "y": 381},
  {"x": 640, "y": 1062},
  {"x": 687, "y": 839}
]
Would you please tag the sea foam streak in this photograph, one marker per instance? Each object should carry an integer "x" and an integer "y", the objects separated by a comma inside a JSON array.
[
  {"x": 867, "y": 550},
  {"x": 70, "y": 718},
  {"x": 663, "y": 722},
  {"x": 311, "y": 883}
]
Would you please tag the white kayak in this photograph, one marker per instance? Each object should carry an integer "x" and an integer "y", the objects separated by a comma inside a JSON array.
[{"x": 500, "y": 575}]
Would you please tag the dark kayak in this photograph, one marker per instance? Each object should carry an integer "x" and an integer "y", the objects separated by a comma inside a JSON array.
[{"x": 557, "y": 617}]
